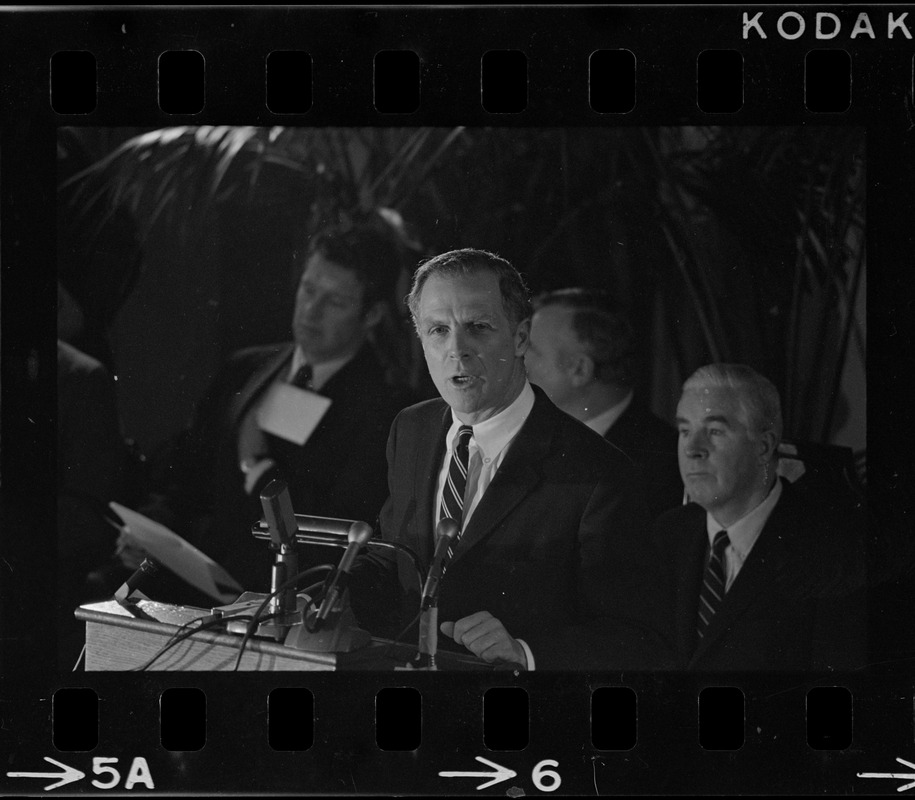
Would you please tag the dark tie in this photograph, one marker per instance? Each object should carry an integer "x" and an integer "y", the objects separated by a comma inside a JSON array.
[
  {"x": 302, "y": 377},
  {"x": 456, "y": 482},
  {"x": 713, "y": 582}
]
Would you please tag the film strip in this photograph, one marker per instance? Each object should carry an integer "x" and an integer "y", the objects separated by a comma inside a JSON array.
[{"x": 387, "y": 732}]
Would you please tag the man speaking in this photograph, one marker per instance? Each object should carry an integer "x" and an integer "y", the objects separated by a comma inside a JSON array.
[{"x": 548, "y": 562}]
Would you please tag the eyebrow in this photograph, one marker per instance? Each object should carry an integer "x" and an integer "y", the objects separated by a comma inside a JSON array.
[{"x": 469, "y": 318}]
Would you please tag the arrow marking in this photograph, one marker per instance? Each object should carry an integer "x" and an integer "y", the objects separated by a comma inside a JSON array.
[
  {"x": 501, "y": 773},
  {"x": 63, "y": 778},
  {"x": 903, "y": 775}
]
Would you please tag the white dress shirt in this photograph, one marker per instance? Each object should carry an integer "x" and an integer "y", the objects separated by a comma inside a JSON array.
[
  {"x": 488, "y": 446},
  {"x": 603, "y": 422},
  {"x": 487, "y": 449},
  {"x": 743, "y": 533}
]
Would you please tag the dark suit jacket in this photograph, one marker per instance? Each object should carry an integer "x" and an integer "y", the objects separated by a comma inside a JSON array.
[
  {"x": 555, "y": 549},
  {"x": 339, "y": 472},
  {"x": 652, "y": 444},
  {"x": 796, "y": 604}
]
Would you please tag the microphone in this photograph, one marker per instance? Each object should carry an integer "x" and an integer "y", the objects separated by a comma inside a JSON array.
[
  {"x": 278, "y": 513},
  {"x": 277, "y": 506},
  {"x": 144, "y": 572},
  {"x": 445, "y": 533},
  {"x": 359, "y": 534}
]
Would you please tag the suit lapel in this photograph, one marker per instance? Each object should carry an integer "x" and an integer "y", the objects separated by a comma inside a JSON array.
[
  {"x": 514, "y": 480},
  {"x": 766, "y": 561},
  {"x": 427, "y": 461},
  {"x": 258, "y": 381},
  {"x": 347, "y": 385}
]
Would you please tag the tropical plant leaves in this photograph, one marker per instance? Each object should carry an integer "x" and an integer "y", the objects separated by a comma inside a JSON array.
[{"x": 749, "y": 237}]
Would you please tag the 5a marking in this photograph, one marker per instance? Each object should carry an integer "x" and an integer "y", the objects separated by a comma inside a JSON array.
[{"x": 101, "y": 766}]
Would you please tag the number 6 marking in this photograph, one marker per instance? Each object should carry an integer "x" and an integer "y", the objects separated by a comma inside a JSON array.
[{"x": 546, "y": 780}]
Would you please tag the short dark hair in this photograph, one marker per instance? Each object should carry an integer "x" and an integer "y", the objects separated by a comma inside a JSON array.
[
  {"x": 602, "y": 327},
  {"x": 516, "y": 297},
  {"x": 366, "y": 251}
]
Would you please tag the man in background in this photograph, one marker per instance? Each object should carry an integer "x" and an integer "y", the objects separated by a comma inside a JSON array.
[
  {"x": 582, "y": 354},
  {"x": 246, "y": 430},
  {"x": 758, "y": 576}
]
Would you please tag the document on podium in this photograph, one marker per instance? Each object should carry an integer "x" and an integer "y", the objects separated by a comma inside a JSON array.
[{"x": 182, "y": 558}]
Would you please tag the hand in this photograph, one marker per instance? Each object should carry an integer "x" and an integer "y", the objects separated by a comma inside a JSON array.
[
  {"x": 254, "y": 469},
  {"x": 129, "y": 554},
  {"x": 486, "y": 637}
]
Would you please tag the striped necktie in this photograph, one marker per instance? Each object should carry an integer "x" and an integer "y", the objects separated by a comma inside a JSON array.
[
  {"x": 456, "y": 482},
  {"x": 713, "y": 583},
  {"x": 302, "y": 377}
]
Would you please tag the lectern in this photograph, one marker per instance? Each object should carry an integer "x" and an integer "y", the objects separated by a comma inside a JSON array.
[{"x": 125, "y": 638}]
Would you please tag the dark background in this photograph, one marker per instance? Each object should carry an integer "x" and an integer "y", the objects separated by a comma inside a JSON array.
[{"x": 725, "y": 243}]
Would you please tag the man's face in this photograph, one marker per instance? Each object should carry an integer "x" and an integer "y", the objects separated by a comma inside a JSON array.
[
  {"x": 550, "y": 359},
  {"x": 473, "y": 351},
  {"x": 328, "y": 321},
  {"x": 719, "y": 463}
]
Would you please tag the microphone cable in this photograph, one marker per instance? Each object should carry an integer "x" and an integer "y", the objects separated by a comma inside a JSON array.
[
  {"x": 252, "y": 625},
  {"x": 185, "y": 631},
  {"x": 409, "y": 551},
  {"x": 389, "y": 651},
  {"x": 256, "y": 619}
]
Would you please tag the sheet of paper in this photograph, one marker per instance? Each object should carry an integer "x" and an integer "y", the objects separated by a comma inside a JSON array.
[
  {"x": 291, "y": 413},
  {"x": 182, "y": 558}
]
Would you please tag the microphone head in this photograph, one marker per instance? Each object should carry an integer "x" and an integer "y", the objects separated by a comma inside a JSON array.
[
  {"x": 149, "y": 567},
  {"x": 447, "y": 528},
  {"x": 359, "y": 533},
  {"x": 273, "y": 489}
]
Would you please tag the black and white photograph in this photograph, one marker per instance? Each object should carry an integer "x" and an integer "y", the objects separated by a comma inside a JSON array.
[
  {"x": 545, "y": 446},
  {"x": 202, "y": 268}
]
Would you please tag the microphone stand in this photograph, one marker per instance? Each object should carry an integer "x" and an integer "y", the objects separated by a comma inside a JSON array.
[
  {"x": 445, "y": 533},
  {"x": 285, "y": 607},
  {"x": 428, "y": 637}
]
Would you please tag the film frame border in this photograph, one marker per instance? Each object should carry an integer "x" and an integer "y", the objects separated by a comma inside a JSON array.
[{"x": 556, "y": 41}]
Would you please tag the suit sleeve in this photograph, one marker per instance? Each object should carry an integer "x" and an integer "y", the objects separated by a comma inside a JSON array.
[{"x": 616, "y": 605}]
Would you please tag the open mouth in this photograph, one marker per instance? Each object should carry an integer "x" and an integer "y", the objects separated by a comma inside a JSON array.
[{"x": 461, "y": 381}]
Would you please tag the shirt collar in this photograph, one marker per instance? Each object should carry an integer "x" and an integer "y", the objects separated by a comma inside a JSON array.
[
  {"x": 604, "y": 421},
  {"x": 320, "y": 373},
  {"x": 744, "y": 533},
  {"x": 494, "y": 434}
]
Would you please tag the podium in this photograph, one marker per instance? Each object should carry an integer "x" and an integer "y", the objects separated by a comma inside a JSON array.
[{"x": 122, "y": 639}]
